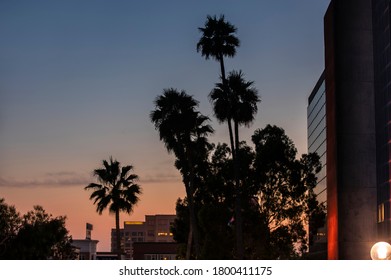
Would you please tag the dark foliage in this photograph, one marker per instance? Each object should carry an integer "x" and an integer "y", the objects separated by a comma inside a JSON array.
[
  {"x": 278, "y": 200},
  {"x": 35, "y": 236}
]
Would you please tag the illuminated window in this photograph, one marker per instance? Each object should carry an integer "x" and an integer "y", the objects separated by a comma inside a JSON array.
[
  {"x": 134, "y": 223},
  {"x": 162, "y": 234},
  {"x": 380, "y": 213}
]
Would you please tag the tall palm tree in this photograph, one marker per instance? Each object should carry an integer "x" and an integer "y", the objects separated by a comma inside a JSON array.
[
  {"x": 218, "y": 40},
  {"x": 116, "y": 190},
  {"x": 236, "y": 101},
  {"x": 182, "y": 128}
]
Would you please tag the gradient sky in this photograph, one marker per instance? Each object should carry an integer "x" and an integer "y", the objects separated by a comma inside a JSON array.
[{"x": 78, "y": 80}]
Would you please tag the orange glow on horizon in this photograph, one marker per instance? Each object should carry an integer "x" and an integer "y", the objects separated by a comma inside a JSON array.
[{"x": 73, "y": 202}]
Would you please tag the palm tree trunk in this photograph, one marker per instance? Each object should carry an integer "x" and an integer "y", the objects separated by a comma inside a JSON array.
[
  {"x": 224, "y": 80},
  {"x": 193, "y": 216},
  {"x": 193, "y": 219},
  {"x": 231, "y": 139},
  {"x": 118, "y": 231},
  {"x": 189, "y": 243},
  {"x": 235, "y": 157},
  {"x": 238, "y": 198},
  {"x": 222, "y": 69},
  {"x": 188, "y": 180}
]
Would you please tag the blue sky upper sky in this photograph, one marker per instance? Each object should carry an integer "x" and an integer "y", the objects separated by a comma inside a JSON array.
[{"x": 78, "y": 80}]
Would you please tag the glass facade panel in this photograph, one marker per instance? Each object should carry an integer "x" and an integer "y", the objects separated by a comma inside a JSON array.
[
  {"x": 318, "y": 142},
  {"x": 316, "y": 133},
  {"x": 314, "y": 119},
  {"x": 317, "y": 130},
  {"x": 315, "y": 99}
]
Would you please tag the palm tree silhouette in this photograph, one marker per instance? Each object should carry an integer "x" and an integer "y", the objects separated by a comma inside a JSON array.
[
  {"x": 117, "y": 191},
  {"x": 183, "y": 130},
  {"x": 218, "y": 40},
  {"x": 236, "y": 101}
]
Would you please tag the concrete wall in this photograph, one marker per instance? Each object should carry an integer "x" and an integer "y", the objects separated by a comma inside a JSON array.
[{"x": 351, "y": 146}]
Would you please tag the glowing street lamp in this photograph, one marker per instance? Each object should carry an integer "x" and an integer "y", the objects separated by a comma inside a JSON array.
[{"x": 381, "y": 251}]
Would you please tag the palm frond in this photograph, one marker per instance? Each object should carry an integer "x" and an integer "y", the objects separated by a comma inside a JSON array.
[
  {"x": 218, "y": 38},
  {"x": 238, "y": 102},
  {"x": 116, "y": 183},
  {"x": 93, "y": 186}
]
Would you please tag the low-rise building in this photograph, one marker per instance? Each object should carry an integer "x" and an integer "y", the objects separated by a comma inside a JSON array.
[
  {"x": 155, "y": 228},
  {"x": 155, "y": 251}
]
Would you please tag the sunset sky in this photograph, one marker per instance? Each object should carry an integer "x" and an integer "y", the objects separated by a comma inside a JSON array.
[{"x": 78, "y": 80}]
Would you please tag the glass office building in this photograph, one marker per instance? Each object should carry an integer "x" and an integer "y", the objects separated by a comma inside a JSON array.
[
  {"x": 316, "y": 131},
  {"x": 316, "y": 121}
]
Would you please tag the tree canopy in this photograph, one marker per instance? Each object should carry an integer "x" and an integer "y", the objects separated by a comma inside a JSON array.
[
  {"x": 34, "y": 236},
  {"x": 278, "y": 199},
  {"x": 241, "y": 202}
]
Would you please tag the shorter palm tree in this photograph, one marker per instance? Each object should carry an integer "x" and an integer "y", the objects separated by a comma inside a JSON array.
[
  {"x": 184, "y": 131},
  {"x": 236, "y": 101},
  {"x": 117, "y": 191}
]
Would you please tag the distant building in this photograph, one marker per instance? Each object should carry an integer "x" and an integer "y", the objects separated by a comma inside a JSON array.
[
  {"x": 155, "y": 251},
  {"x": 159, "y": 228},
  {"x": 156, "y": 228},
  {"x": 106, "y": 256},
  {"x": 133, "y": 231},
  {"x": 86, "y": 248}
]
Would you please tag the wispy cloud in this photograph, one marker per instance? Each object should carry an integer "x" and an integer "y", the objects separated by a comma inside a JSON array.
[
  {"x": 160, "y": 178},
  {"x": 53, "y": 179},
  {"x": 70, "y": 179},
  {"x": 61, "y": 173}
]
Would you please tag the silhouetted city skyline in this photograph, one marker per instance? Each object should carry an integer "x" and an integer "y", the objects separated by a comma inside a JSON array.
[{"x": 78, "y": 81}]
